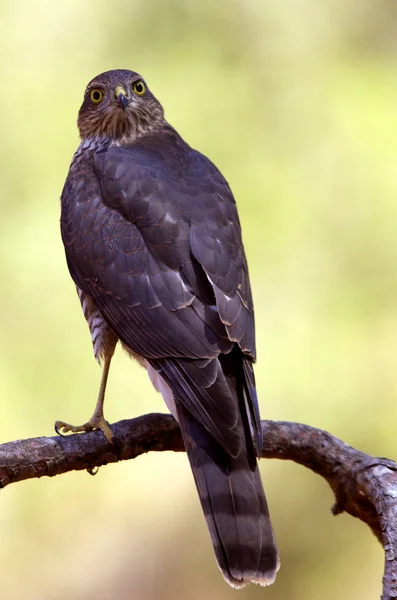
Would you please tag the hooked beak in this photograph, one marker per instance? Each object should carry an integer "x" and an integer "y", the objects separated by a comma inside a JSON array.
[{"x": 121, "y": 97}]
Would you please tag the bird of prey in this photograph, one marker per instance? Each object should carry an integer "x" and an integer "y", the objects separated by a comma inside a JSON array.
[{"x": 153, "y": 243}]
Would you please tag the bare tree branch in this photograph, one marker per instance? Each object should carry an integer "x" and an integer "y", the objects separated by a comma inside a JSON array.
[{"x": 364, "y": 486}]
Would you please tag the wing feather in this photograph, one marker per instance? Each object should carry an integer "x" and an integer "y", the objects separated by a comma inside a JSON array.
[{"x": 152, "y": 235}]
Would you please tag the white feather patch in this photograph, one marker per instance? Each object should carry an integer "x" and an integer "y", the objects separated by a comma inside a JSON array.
[{"x": 161, "y": 386}]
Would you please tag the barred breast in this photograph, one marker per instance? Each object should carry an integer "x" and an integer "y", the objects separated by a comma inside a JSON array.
[
  {"x": 103, "y": 338},
  {"x": 104, "y": 342}
]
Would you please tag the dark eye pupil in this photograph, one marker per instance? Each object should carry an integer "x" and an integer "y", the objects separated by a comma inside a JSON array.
[
  {"x": 139, "y": 87},
  {"x": 96, "y": 95}
]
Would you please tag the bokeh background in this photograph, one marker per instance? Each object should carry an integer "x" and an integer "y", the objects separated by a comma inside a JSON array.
[{"x": 296, "y": 102}]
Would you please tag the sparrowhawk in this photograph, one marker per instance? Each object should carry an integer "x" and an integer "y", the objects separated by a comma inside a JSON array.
[{"x": 153, "y": 244}]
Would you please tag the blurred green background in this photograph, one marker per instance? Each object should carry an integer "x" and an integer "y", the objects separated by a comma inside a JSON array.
[{"x": 296, "y": 102}]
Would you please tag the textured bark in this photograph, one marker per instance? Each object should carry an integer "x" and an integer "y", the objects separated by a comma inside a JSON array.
[{"x": 364, "y": 486}]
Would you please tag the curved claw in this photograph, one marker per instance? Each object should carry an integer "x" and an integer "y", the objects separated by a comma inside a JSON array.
[
  {"x": 61, "y": 428},
  {"x": 94, "y": 423},
  {"x": 57, "y": 430}
]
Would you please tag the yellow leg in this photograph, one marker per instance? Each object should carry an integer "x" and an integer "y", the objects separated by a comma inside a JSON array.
[{"x": 97, "y": 420}]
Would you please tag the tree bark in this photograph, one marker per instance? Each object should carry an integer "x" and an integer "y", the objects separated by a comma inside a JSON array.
[{"x": 364, "y": 486}]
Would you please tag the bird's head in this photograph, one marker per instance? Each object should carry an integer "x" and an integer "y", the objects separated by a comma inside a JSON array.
[{"x": 118, "y": 105}]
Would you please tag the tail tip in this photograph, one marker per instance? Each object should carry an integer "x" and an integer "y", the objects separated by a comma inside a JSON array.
[{"x": 263, "y": 579}]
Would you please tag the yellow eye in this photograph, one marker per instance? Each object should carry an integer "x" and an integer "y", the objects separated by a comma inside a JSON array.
[
  {"x": 139, "y": 88},
  {"x": 96, "y": 96}
]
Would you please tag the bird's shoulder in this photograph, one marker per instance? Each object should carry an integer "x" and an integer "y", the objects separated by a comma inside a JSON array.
[{"x": 161, "y": 164}]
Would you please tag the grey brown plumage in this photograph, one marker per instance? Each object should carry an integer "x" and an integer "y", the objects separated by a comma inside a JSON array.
[{"x": 153, "y": 241}]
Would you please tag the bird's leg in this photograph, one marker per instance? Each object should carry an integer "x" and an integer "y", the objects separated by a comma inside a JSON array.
[{"x": 97, "y": 420}]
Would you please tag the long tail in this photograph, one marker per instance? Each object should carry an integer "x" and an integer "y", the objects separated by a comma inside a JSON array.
[{"x": 233, "y": 501}]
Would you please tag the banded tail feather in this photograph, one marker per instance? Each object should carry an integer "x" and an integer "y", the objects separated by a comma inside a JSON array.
[{"x": 233, "y": 500}]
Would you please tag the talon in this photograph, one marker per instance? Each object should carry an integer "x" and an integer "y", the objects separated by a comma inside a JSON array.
[
  {"x": 61, "y": 428},
  {"x": 94, "y": 423},
  {"x": 106, "y": 430}
]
